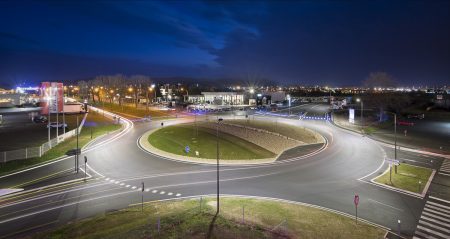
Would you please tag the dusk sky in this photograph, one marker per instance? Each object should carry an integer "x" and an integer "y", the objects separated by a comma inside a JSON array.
[{"x": 291, "y": 42}]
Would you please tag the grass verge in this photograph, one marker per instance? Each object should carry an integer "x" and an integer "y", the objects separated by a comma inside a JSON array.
[
  {"x": 174, "y": 139},
  {"x": 94, "y": 121},
  {"x": 127, "y": 110},
  {"x": 406, "y": 178},
  {"x": 187, "y": 219}
]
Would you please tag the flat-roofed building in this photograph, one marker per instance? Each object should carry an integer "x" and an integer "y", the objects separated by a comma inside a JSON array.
[
  {"x": 216, "y": 98},
  {"x": 224, "y": 98}
]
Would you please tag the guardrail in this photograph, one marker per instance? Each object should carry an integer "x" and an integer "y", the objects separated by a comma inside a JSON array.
[{"x": 38, "y": 151}]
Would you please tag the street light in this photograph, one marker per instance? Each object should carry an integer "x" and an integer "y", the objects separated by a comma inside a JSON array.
[
  {"x": 217, "y": 140},
  {"x": 362, "y": 109},
  {"x": 289, "y": 103},
  {"x": 395, "y": 139}
]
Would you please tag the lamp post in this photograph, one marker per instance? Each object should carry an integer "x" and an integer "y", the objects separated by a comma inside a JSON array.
[
  {"x": 48, "y": 120},
  {"x": 217, "y": 140},
  {"x": 395, "y": 139},
  {"x": 153, "y": 87},
  {"x": 362, "y": 110},
  {"x": 289, "y": 104}
]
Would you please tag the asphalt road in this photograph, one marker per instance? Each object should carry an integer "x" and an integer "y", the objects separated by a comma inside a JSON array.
[{"x": 117, "y": 168}]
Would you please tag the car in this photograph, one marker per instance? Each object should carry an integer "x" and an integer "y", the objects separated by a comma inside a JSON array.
[
  {"x": 405, "y": 123},
  {"x": 56, "y": 125},
  {"x": 416, "y": 116},
  {"x": 40, "y": 119}
]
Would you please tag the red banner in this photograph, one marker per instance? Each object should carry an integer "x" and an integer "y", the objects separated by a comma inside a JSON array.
[{"x": 52, "y": 97}]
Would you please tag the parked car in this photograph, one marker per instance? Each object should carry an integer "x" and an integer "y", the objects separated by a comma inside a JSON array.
[
  {"x": 57, "y": 125},
  {"x": 405, "y": 123},
  {"x": 40, "y": 119},
  {"x": 416, "y": 116}
]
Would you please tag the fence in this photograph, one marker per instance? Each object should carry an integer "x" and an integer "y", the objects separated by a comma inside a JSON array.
[{"x": 34, "y": 152}]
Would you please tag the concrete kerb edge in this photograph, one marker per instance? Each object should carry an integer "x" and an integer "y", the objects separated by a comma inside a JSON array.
[
  {"x": 270, "y": 199},
  {"x": 144, "y": 137},
  {"x": 418, "y": 195},
  {"x": 145, "y": 145}
]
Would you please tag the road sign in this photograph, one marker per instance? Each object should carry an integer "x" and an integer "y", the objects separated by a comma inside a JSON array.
[
  {"x": 187, "y": 149},
  {"x": 393, "y": 161}
]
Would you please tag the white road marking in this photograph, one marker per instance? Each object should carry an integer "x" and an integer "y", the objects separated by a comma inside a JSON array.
[
  {"x": 162, "y": 192},
  {"x": 154, "y": 191},
  {"x": 434, "y": 216},
  {"x": 434, "y": 226},
  {"x": 438, "y": 208},
  {"x": 439, "y": 205},
  {"x": 431, "y": 231},
  {"x": 435, "y": 221},
  {"x": 147, "y": 190},
  {"x": 423, "y": 235},
  {"x": 170, "y": 194},
  {"x": 375, "y": 201},
  {"x": 134, "y": 187},
  {"x": 440, "y": 199},
  {"x": 438, "y": 213},
  {"x": 122, "y": 184},
  {"x": 128, "y": 185},
  {"x": 178, "y": 194}
]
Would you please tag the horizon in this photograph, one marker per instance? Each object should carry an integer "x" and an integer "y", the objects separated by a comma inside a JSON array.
[{"x": 290, "y": 43}]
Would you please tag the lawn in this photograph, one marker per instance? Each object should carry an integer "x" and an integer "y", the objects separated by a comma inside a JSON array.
[
  {"x": 186, "y": 219},
  {"x": 407, "y": 178},
  {"x": 290, "y": 131},
  {"x": 126, "y": 110},
  {"x": 95, "y": 121},
  {"x": 174, "y": 139}
]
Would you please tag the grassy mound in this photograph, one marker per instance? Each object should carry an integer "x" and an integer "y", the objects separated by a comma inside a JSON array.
[{"x": 174, "y": 139}]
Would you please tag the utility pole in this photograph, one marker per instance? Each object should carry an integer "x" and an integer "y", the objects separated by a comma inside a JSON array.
[
  {"x": 217, "y": 141},
  {"x": 395, "y": 140},
  {"x": 77, "y": 153}
]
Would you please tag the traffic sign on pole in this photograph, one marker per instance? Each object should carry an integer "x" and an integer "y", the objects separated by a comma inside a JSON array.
[{"x": 187, "y": 149}]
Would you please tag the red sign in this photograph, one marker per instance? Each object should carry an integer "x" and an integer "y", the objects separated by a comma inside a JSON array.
[
  {"x": 52, "y": 97},
  {"x": 356, "y": 200}
]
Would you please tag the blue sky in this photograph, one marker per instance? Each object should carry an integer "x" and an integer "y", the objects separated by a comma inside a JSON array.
[{"x": 303, "y": 42}]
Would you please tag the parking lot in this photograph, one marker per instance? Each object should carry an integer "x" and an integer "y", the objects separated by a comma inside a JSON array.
[{"x": 17, "y": 129}]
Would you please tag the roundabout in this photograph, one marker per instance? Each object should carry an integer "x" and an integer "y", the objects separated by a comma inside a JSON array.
[
  {"x": 327, "y": 176},
  {"x": 240, "y": 141}
]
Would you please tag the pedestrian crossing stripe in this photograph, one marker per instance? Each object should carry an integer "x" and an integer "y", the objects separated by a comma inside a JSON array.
[{"x": 435, "y": 220}]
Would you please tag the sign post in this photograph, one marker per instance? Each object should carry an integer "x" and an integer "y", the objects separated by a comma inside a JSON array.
[
  {"x": 85, "y": 171},
  {"x": 356, "y": 201},
  {"x": 142, "y": 198},
  {"x": 187, "y": 149},
  {"x": 394, "y": 162},
  {"x": 351, "y": 116}
]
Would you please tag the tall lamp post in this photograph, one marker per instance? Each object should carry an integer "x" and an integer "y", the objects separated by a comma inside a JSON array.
[
  {"x": 289, "y": 103},
  {"x": 395, "y": 139},
  {"x": 362, "y": 110},
  {"x": 217, "y": 140}
]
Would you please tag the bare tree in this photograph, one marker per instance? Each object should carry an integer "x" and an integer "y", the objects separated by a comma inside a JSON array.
[{"x": 379, "y": 79}]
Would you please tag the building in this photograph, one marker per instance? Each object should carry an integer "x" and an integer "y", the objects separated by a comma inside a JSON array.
[
  {"x": 13, "y": 99},
  {"x": 216, "y": 98}
]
